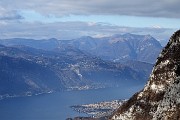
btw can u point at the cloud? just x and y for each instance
(71, 30)
(6, 14)
(148, 8)
(13, 25)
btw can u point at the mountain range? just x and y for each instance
(115, 48)
(31, 67)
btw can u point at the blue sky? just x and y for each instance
(119, 20)
(67, 19)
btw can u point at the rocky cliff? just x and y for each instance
(160, 98)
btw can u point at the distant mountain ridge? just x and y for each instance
(116, 48)
(48, 44)
(121, 47)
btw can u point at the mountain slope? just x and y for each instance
(120, 47)
(21, 77)
(159, 100)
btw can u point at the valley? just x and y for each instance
(51, 67)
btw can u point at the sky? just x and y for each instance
(68, 19)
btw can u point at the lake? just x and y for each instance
(55, 106)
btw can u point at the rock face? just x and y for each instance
(160, 98)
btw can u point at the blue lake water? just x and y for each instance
(55, 106)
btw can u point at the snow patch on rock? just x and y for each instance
(157, 88)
